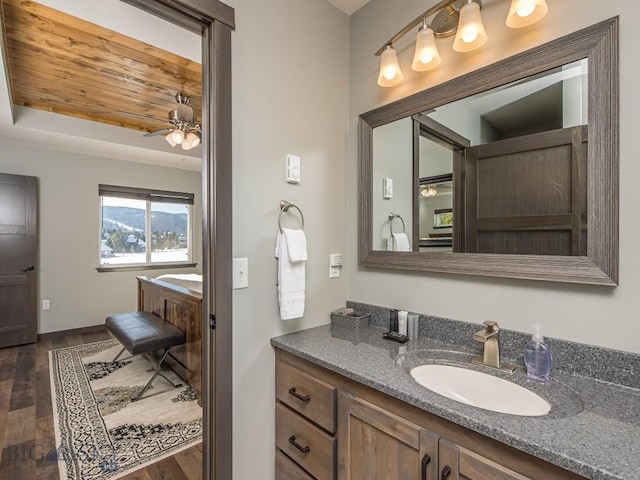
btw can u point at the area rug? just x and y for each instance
(100, 433)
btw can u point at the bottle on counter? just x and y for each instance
(537, 357)
(402, 322)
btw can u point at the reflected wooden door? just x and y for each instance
(18, 253)
(527, 195)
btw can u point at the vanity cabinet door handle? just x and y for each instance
(446, 471)
(425, 461)
(302, 398)
(292, 441)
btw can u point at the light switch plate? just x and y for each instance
(240, 273)
(335, 262)
(387, 188)
(293, 169)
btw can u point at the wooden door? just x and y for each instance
(375, 444)
(527, 195)
(456, 463)
(18, 252)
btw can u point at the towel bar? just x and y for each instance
(392, 217)
(284, 207)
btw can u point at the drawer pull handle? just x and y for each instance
(302, 398)
(446, 471)
(426, 460)
(292, 441)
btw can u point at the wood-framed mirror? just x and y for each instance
(597, 221)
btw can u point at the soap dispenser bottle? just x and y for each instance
(537, 357)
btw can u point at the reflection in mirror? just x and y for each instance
(519, 185)
(524, 196)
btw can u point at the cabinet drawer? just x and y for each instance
(315, 450)
(287, 469)
(313, 398)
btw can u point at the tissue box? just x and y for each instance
(353, 320)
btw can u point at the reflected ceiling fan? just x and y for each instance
(185, 129)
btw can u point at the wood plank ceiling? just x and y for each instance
(68, 66)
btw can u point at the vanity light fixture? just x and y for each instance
(459, 17)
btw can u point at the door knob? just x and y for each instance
(28, 267)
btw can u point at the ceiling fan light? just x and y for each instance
(526, 12)
(169, 139)
(177, 136)
(192, 139)
(471, 33)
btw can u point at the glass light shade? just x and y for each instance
(390, 73)
(169, 139)
(471, 33)
(426, 56)
(193, 139)
(177, 136)
(525, 12)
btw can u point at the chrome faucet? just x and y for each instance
(490, 337)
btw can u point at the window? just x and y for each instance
(142, 227)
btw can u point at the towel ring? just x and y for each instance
(392, 217)
(284, 207)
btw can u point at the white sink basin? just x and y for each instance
(480, 390)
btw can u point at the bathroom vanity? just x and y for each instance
(347, 408)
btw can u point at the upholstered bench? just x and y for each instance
(142, 333)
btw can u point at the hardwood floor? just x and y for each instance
(26, 418)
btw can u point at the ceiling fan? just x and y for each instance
(185, 129)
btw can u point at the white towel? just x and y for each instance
(296, 244)
(399, 242)
(291, 281)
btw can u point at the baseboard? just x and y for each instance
(73, 331)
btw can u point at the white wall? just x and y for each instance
(393, 158)
(69, 229)
(595, 315)
(290, 95)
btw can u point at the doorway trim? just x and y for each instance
(214, 21)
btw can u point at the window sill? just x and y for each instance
(137, 268)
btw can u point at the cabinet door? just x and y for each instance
(375, 444)
(457, 463)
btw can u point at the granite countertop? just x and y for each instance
(593, 428)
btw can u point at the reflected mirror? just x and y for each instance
(524, 196)
(510, 171)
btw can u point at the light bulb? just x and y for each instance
(471, 33)
(469, 37)
(526, 11)
(390, 73)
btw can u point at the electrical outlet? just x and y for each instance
(45, 304)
